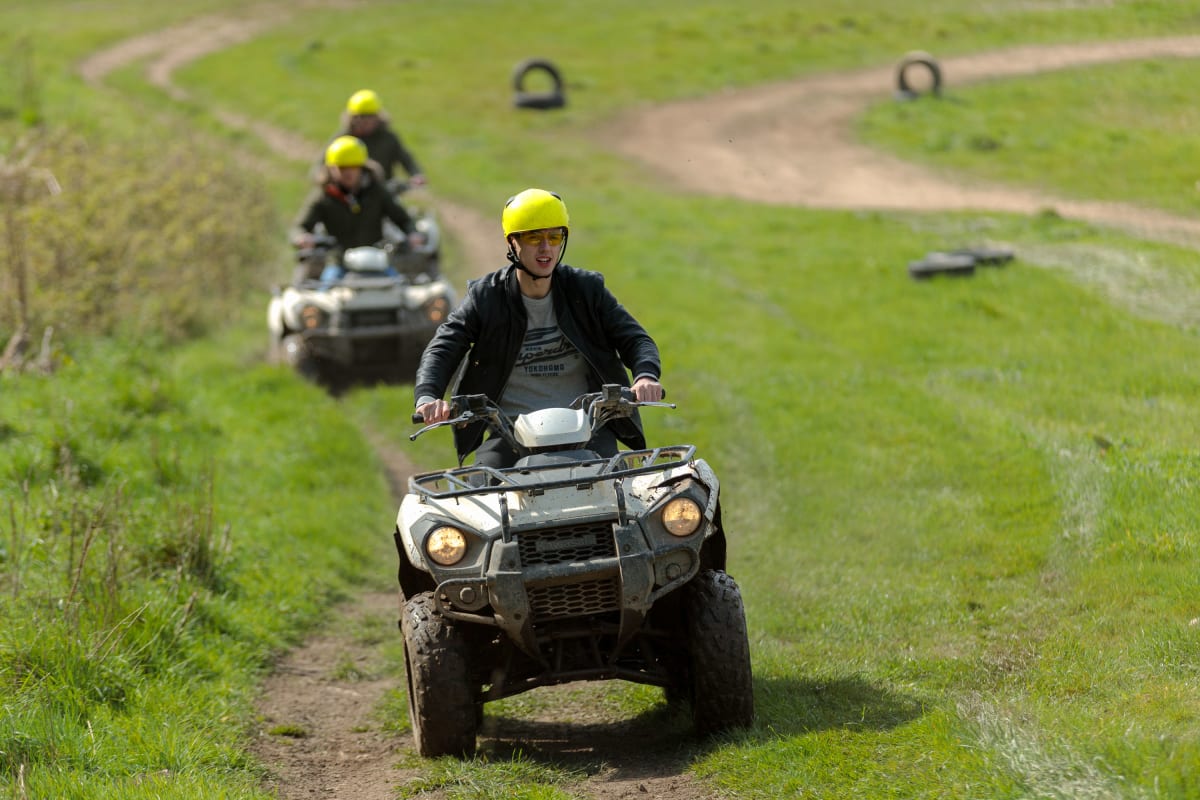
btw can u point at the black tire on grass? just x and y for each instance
(986, 256)
(555, 98)
(918, 60)
(955, 265)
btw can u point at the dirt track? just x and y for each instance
(789, 142)
(793, 143)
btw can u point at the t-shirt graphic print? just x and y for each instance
(549, 371)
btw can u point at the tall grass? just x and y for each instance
(158, 514)
(142, 237)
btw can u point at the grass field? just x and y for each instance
(962, 511)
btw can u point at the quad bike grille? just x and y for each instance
(379, 351)
(372, 318)
(574, 599)
(568, 544)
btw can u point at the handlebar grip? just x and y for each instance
(418, 419)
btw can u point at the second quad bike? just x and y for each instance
(372, 324)
(569, 566)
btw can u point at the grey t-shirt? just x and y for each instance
(549, 372)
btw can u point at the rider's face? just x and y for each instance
(347, 177)
(539, 251)
(364, 124)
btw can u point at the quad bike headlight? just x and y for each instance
(437, 309)
(312, 317)
(446, 545)
(681, 516)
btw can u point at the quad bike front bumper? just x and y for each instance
(544, 570)
(367, 346)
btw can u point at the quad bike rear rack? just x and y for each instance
(476, 480)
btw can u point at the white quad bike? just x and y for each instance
(370, 325)
(569, 566)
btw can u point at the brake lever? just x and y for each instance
(466, 416)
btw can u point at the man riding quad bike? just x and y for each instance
(567, 566)
(353, 204)
(367, 295)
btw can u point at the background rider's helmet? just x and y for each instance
(534, 209)
(363, 102)
(346, 151)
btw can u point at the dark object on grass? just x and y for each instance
(539, 100)
(959, 262)
(986, 256)
(919, 60)
(955, 264)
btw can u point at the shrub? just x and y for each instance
(150, 237)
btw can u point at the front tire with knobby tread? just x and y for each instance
(719, 654)
(441, 699)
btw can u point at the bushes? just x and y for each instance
(157, 236)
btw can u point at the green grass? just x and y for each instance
(160, 507)
(1121, 132)
(452, 99)
(960, 511)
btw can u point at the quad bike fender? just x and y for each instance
(712, 552)
(413, 581)
(417, 295)
(713, 549)
(275, 317)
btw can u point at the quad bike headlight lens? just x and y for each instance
(437, 309)
(681, 516)
(446, 545)
(312, 317)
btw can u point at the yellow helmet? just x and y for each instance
(346, 151)
(534, 209)
(363, 102)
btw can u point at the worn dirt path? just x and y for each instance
(788, 143)
(793, 144)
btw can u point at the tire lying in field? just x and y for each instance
(986, 256)
(555, 98)
(942, 264)
(441, 700)
(921, 61)
(722, 685)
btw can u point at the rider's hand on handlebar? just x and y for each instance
(647, 390)
(304, 241)
(417, 239)
(417, 180)
(435, 411)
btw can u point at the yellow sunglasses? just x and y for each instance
(534, 238)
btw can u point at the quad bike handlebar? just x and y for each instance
(613, 401)
(321, 244)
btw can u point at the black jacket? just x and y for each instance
(488, 329)
(384, 147)
(354, 220)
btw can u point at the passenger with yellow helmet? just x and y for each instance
(351, 202)
(365, 119)
(537, 334)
